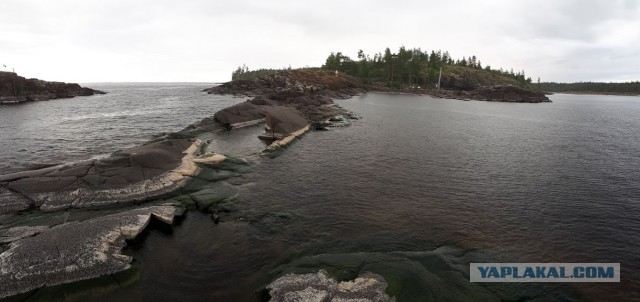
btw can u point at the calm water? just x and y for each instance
(415, 191)
(63, 130)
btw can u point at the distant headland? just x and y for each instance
(17, 89)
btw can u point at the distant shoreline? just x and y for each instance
(594, 93)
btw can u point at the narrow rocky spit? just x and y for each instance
(69, 223)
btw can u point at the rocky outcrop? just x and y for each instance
(496, 93)
(74, 251)
(320, 287)
(507, 93)
(81, 213)
(281, 120)
(128, 176)
(17, 89)
(289, 102)
(308, 91)
(69, 223)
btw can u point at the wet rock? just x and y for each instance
(321, 287)
(128, 176)
(284, 120)
(75, 251)
(19, 232)
(308, 91)
(218, 192)
(240, 113)
(12, 201)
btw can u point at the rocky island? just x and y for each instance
(17, 89)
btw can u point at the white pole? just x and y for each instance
(439, 77)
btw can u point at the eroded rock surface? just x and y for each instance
(128, 176)
(19, 232)
(76, 250)
(320, 287)
(308, 91)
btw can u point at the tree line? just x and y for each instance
(407, 67)
(598, 87)
(243, 73)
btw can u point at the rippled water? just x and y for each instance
(62, 130)
(415, 191)
(469, 181)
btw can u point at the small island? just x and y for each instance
(17, 89)
(416, 71)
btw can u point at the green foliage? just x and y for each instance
(481, 76)
(408, 67)
(243, 73)
(596, 87)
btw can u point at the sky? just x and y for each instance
(205, 40)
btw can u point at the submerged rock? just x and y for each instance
(321, 287)
(76, 250)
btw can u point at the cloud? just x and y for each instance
(198, 40)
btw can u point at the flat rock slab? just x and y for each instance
(17, 233)
(74, 251)
(321, 287)
(131, 175)
(12, 201)
(284, 120)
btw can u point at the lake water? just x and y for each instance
(57, 131)
(414, 191)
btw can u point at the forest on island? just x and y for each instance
(404, 68)
(415, 67)
(408, 67)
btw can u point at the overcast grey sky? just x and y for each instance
(204, 40)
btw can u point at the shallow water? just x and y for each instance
(415, 191)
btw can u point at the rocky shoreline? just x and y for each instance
(496, 93)
(490, 93)
(17, 89)
(70, 222)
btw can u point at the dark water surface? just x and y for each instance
(415, 191)
(58, 131)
